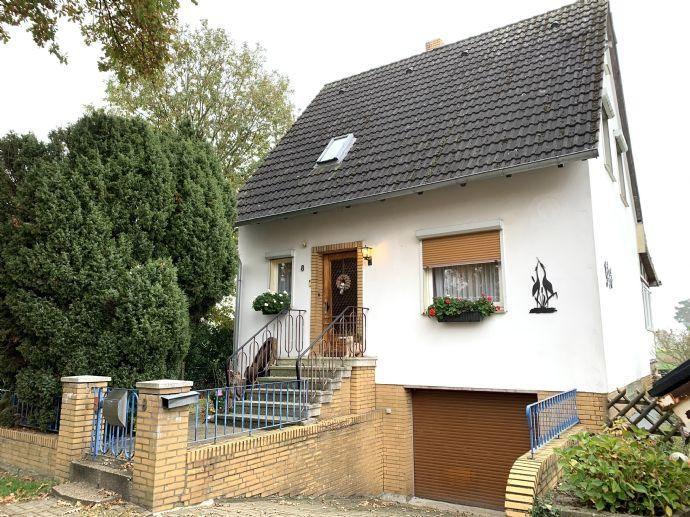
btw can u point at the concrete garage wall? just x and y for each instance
(545, 213)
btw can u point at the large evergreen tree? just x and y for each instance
(115, 236)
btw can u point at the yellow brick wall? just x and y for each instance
(28, 450)
(76, 422)
(158, 470)
(397, 438)
(591, 408)
(339, 404)
(363, 390)
(339, 457)
(532, 476)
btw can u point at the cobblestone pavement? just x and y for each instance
(271, 507)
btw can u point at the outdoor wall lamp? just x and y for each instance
(366, 254)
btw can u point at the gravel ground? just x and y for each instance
(270, 507)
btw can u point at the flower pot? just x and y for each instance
(269, 312)
(470, 316)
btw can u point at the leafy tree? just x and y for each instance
(134, 34)
(683, 313)
(222, 89)
(114, 236)
(672, 348)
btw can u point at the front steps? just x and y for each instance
(324, 391)
(94, 482)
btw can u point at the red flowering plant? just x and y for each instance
(446, 306)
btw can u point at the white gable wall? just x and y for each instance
(545, 214)
(628, 345)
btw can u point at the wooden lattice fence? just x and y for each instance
(642, 410)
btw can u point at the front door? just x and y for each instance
(340, 284)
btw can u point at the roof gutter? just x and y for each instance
(484, 175)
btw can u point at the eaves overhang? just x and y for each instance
(483, 175)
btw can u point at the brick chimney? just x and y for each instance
(434, 43)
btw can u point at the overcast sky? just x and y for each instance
(315, 42)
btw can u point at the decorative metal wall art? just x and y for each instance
(608, 274)
(542, 290)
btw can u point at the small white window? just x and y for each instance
(466, 265)
(337, 149)
(281, 276)
(647, 304)
(606, 143)
(621, 150)
(468, 281)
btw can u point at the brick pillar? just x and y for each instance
(160, 449)
(363, 386)
(76, 420)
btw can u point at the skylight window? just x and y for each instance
(337, 149)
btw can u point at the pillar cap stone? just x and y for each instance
(164, 384)
(85, 379)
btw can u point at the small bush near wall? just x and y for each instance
(625, 472)
(210, 347)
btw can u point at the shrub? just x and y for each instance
(115, 237)
(628, 473)
(271, 303)
(446, 306)
(208, 351)
(544, 508)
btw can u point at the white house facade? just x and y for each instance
(499, 166)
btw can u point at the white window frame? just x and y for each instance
(621, 152)
(647, 305)
(426, 275)
(606, 142)
(337, 157)
(274, 259)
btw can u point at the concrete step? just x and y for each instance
(285, 395)
(348, 362)
(84, 493)
(270, 409)
(248, 422)
(112, 476)
(320, 385)
(279, 370)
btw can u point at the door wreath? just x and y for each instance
(343, 282)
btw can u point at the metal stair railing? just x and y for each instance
(345, 336)
(282, 336)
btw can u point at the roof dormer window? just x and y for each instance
(337, 149)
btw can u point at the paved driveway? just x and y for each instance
(272, 507)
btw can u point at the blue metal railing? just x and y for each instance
(233, 410)
(27, 416)
(548, 418)
(113, 440)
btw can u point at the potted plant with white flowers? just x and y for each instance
(272, 303)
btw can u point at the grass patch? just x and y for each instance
(21, 488)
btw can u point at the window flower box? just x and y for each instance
(469, 316)
(447, 309)
(271, 303)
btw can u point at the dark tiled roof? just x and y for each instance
(525, 93)
(673, 380)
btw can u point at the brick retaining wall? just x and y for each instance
(342, 457)
(28, 450)
(531, 477)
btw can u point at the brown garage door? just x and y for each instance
(465, 443)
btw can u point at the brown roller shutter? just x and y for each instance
(466, 248)
(465, 443)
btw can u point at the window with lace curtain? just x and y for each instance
(464, 266)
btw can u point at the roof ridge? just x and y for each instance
(455, 44)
